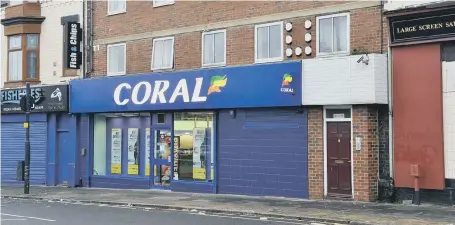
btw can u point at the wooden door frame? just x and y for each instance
(326, 120)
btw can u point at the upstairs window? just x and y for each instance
(116, 6)
(116, 59)
(158, 3)
(333, 34)
(268, 42)
(163, 53)
(214, 48)
(23, 57)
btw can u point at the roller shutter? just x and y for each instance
(13, 150)
(263, 152)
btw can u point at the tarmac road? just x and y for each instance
(32, 212)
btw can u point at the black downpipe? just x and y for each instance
(84, 33)
(382, 26)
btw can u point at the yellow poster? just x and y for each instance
(116, 169)
(199, 173)
(147, 170)
(212, 174)
(133, 169)
(154, 171)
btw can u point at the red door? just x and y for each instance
(339, 159)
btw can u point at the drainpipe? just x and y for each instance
(84, 34)
(390, 101)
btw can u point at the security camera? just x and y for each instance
(364, 59)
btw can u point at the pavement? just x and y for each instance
(342, 212)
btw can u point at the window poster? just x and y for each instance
(176, 157)
(133, 151)
(116, 151)
(198, 153)
(147, 151)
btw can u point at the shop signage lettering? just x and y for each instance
(426, 26)
(156, 92)
(74, 38)
(45, 99)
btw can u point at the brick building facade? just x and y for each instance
(132, 30)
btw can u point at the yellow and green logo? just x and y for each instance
(217, 82)
(287, 79)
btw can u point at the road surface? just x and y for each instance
(32, 212)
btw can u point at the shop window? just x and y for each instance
(116, 6)
(268, 42)
(333, 34)
(193, 142)
(23, 52)
(121, 144)
(163, 53)
(214, 48)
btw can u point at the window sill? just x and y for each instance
(204, 66)
(270, 60)
(161, 5)
(162, 69)
(115, 74)
(20, 83)
(116, 13)
(328, 55)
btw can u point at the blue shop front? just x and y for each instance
(233, 130)
(52, 136)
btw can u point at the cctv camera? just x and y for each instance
(360, 60)
(363, 59)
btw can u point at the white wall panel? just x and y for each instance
(448, 89)
(341, 80)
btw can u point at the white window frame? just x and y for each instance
(124, 64)
(109, 13)
(275, 59)
(171, 55)
(158, 4)
(348, 21)
(202, 55)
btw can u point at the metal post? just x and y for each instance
(27, 140)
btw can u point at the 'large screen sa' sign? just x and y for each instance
(73, 41)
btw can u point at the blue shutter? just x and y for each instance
(13, 150)
(263, 152)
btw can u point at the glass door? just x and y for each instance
(161, 160)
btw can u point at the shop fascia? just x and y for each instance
(157, 92)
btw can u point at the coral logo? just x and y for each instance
(287, 80)
(217, 82)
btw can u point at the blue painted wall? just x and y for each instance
(263, 152)
(83, 141)
(61, 157)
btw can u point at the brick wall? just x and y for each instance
(316, 153)
(366, 166)
(142, 19)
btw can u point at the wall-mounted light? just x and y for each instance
(288, 26)
(308, 50)
(308, 24)
(289, 52)
(307, 37)
(288, 39)
(298, 51)
(232, 113)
